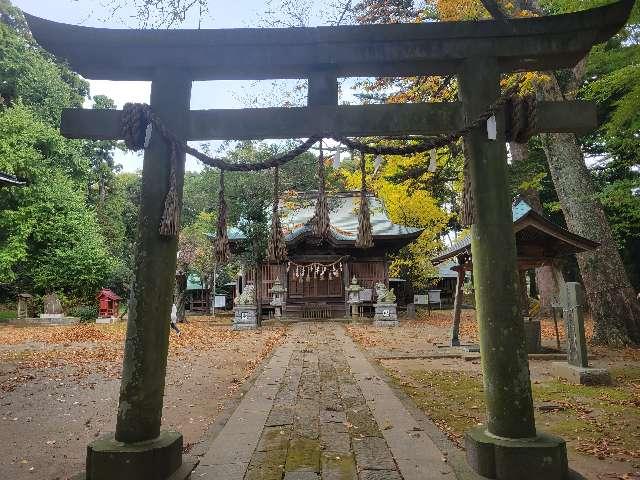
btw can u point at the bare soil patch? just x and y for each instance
(59, 388)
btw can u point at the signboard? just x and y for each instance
(220, 301)
(420, 299)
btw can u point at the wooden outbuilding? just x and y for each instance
(108, 303)
(539, 242)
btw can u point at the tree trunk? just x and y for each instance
(180, 296)
(615, 310)
(544, 275)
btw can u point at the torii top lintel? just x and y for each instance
(367, 50)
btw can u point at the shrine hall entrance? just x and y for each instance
(315, 296)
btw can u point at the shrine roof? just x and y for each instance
(105, 292)
(194, 282)
(297, 212)
(9, 180)
(532, 227)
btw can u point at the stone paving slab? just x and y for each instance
(231, 451)
(416, 455)
(318, 411)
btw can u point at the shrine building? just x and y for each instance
(318, 270)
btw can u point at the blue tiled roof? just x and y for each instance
(518, 210)
(343, 216)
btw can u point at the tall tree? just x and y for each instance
(49, 236)
(615, 308)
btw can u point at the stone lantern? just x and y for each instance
(278, 292)
(353, 290)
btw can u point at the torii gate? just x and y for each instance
(508, 446)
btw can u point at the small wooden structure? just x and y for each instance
(198, 295)
(108, 303)
(24, 303)
(539, 242)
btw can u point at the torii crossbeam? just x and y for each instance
(508, 446)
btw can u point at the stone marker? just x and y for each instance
(576, 369)
(52, 307)
(411, 311)
(533, 335)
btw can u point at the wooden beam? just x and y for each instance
(303, 122)
(364, 50)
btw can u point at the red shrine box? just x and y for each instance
(108, 303)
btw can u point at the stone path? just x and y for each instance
(318, 411)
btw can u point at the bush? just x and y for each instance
(84, 313)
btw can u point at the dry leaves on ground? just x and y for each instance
(365, 336)
(99, 348)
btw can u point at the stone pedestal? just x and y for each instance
(533, 336)
(542, 457)
(354, 309)
(245, 317)
(581, 375)
(106, 320)
(156, 459)
(386, 315)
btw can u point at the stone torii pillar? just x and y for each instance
(508, 446)
(139, 449)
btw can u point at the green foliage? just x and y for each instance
(63, 247)
(29, 74)
(86, 313)
(50, 239)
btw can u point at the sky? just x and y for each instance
(218, 94)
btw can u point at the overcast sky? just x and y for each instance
(218, 94)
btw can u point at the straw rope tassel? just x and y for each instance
(221, 245)
(365, 236)
(466, 213)
(277, 248)
(321, 223)
(170, 223)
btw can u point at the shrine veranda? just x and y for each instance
(478, 53)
